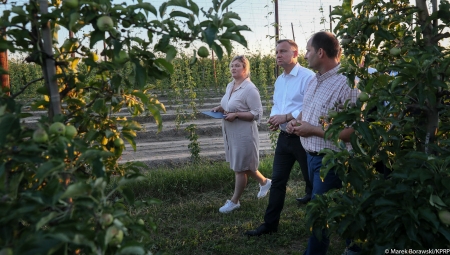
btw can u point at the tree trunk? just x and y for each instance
(5, 77)
(432, 112)
(48, 65)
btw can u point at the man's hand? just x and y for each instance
(291, 125)
(304, 129)
(276, 120)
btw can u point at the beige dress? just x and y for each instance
(241, 137)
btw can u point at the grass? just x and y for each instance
(188, 221)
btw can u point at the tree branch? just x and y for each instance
(439, 37)
(26, 86)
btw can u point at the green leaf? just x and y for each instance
(347, 5)
(148, 7)
(171, 53)
(135, 250)
(210, 34)
(99, 105)
(48, 168)
(94, 154)
(75, 190)
(218, 50)
(163, 65)
(162, 9)
(179, 14)
(445, 232)
(428, 215)
(227, 45)
(45, 220)
(96, 36)
(364, 130)
(226, 4)
(128, 193)
(141, 75)
(8, 124)
(436, 200)
(74, 17)
(194, 7)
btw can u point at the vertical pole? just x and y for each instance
(71, 36)
(277, 32)
(48, 63)
(331, 26)
(214, 67)
(293, 36)
(4, 64)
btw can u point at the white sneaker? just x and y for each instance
(229, 207)
(263, 190)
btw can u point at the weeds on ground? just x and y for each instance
(186, 219)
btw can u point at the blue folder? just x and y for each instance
(215, 115)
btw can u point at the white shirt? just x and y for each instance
(289, 92)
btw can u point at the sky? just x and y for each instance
(298, 20)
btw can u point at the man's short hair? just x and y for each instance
(328, 42)
(291, 42)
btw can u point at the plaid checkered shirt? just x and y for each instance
(321, 95)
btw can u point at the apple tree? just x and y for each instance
(396, 178)
(62, 190)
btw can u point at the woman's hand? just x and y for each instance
(217, 109)
(231, 116)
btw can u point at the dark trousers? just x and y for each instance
(289, 149)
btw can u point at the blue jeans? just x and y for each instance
(289, 149)
(331, 181)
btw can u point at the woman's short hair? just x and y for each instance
(245, 64)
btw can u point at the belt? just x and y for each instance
(287, 134)
(314, 153)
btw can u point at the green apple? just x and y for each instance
(57, 128)
(122, 58)
(40, 136)
(363, 97)
(203, 52)
(71, 132)
(332, 113)
(444, 216)
(141, 222)
(70, 4)
(395, 51)
(118, 142)
(105, 23)
(116, 234)
(106, 219)
(126, 23)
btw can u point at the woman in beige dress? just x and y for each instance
(243, 109)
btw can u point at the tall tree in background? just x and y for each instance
(401, 124)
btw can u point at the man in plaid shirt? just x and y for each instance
(325, 90)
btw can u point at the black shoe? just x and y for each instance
(304, 200)
(261, 230)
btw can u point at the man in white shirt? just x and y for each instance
(290, 88)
